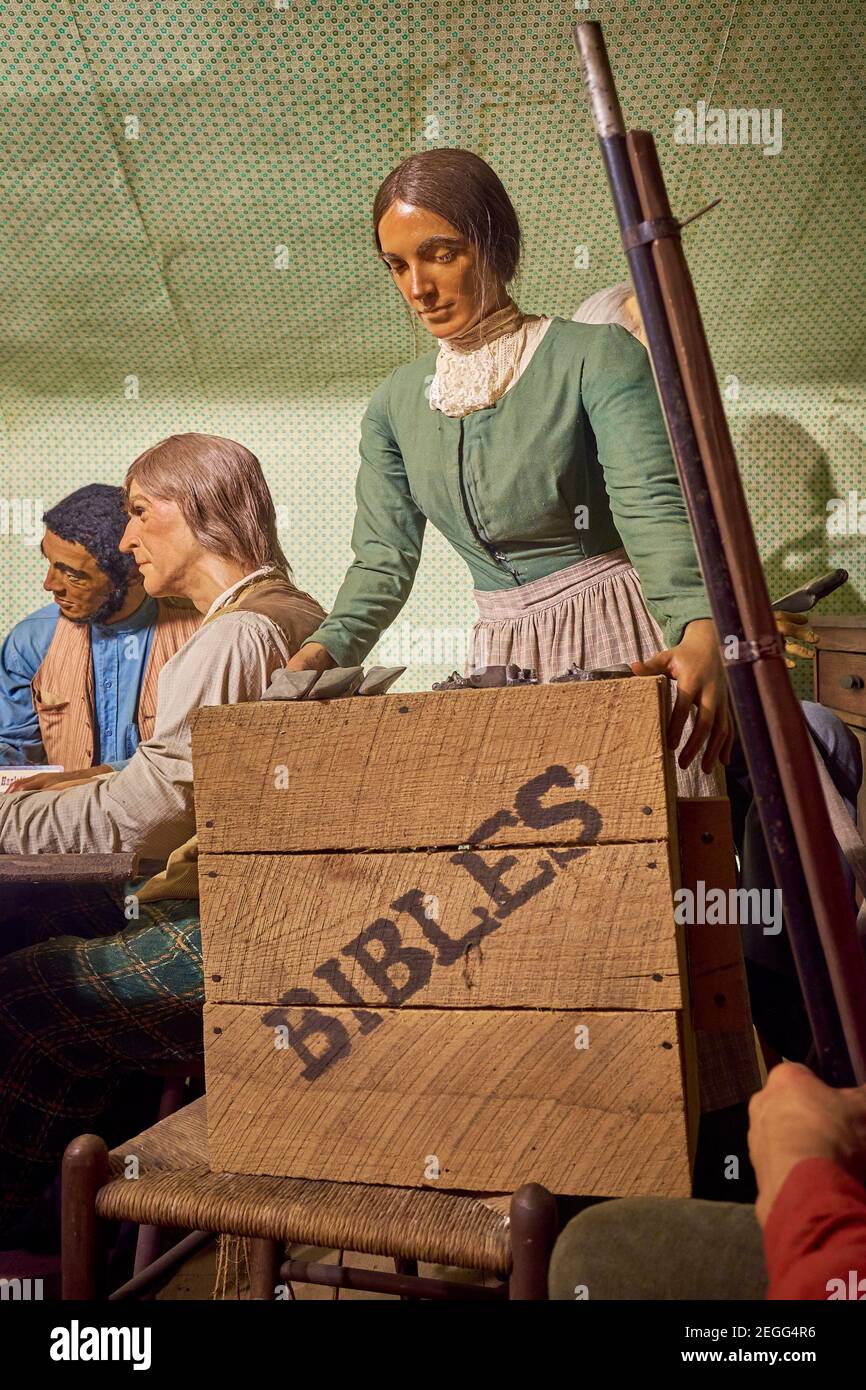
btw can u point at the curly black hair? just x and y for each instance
(95, 516)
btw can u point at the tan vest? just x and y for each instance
(296, 614)
(63, 695)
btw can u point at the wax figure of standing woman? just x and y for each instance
(102, 993)
(537, 447)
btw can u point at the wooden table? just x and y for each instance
(67, 868)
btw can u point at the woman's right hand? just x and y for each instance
(311, 657)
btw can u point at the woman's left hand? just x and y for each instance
(695, 664)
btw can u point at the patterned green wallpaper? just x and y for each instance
(185, 242)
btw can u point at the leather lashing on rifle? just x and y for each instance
(753, 649)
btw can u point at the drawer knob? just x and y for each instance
(851, 682)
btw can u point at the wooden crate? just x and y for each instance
(439, 940)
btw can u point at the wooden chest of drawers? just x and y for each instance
(839, 680)
(840, 666)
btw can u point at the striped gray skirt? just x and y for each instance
(592, 613)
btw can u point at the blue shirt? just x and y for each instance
(119, 652)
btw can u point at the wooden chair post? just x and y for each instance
(85, 1170)
(265, 1259)
(533, 1233)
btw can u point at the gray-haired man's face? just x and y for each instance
(161, 543)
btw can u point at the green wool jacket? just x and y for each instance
(507, 486)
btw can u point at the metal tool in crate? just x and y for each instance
(342, 681)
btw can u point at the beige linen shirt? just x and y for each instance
(147, 807)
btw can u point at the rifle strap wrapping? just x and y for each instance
(753, 649)
(652, 230)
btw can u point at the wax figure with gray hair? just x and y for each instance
(777, 998)
(104, 992)
(78, 678)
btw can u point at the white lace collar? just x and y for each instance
(468, 381)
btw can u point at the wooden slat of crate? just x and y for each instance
(581, 928)
(497, 1097)
(431, 768)
(719, 992)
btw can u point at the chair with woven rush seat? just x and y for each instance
(444, 984)
(175, 1188)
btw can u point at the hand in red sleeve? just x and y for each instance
(796, 1116)
(808, 1147)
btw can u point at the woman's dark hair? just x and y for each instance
(464, 190)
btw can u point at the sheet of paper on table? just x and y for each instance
(8, 775)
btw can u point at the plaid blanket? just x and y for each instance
(93, 998)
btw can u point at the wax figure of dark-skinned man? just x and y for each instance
(77, 584)
(438, 273)
(170, 561)
(80, 589)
